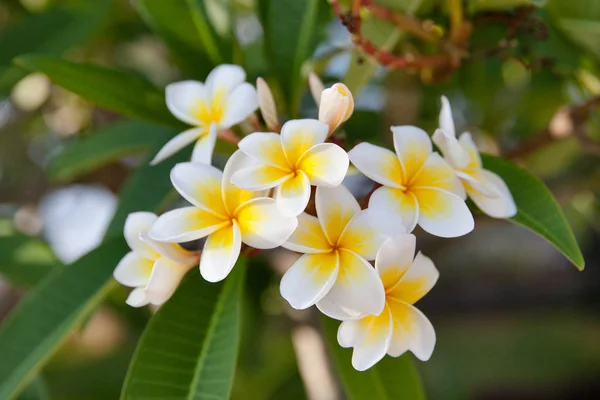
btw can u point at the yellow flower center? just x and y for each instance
(210, 111)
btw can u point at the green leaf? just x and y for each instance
(190, 346)
(580, 22)
(181, 37)
(218, 47)
(537, 208)
(25, 261)
(123, 92)
(104, 146)
(390, 379)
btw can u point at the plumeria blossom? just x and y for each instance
(219, 103)
(487, 190)
(419, 187)
(153, 268)
(226, 214)
(336, 105)
(400, 327)
(292, 162)
(334, 272)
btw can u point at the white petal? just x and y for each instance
(220, 253)
(502, 206)
(183, 98)
(325, 164)
(185, 224)
(332, 310)
(475, 180)
(133, 270)
(166, 276)
(137, 298)
(293, 194)
(177, 143)
(469, 145)
(393, 211)
(266, 103)
(394, 258)
(413, 147)
(224, 78)
(412, 330)
(171, 251)
(308, 236)
(240, 103)
(335, 208)
(260, 177)
(200, 184)
(234, 196)
(136, 224)
(372, 338)
(266, 148)
(446, 120)
(205, 146)
(262, 224)
(453, 151)
(299, 135)
(416, 282)
(435, 172)
(358, 287)
(361, 237)
(377, 163)
(442, 213)
(309, 279)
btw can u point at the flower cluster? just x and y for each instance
(356, 265)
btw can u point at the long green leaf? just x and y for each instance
(105, 145)
(189, 348)
(123, 92)
(580, 22)
(219, 49)
(25, 261)
(390, 379)
(537, 209)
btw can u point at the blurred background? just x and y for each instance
(514, 319)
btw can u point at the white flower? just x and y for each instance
(229, 216)
(487, 189)
(335, 269)
(401, 326)
(266, 103)
(419, 187)
(153, 268)
(222, 101)
(292, 162)
(336, 106)
(316, 87)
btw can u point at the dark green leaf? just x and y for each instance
(390, 379)
(126, 93)
(25, 261)
(217, 46)
(537, 209)
(580, 21)
(189, 348)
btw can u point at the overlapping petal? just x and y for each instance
(225, 78)
(324, 164)
(435, 172)
(239, 104)
(413, 147)
(200, 184)
(205, 145)
(442, 213)
(184, 97)
(260, 177)
(453, 151)
(446, 120)
(411, 330)
(393, 211)
(361, 237)
(220, 253)
(378, 164)
(136, 224)
(394, 259)
(416, 282)
(335, 208)
(299, 135)
(133, 270)
(166, 276)
(262, 225)
(308, 237)
(233, 196)
(501, 206)
(266, 148)
(293, 194)
(171, 251)
(178, 142)
(137, 298)
(185, 224)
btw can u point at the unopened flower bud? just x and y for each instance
(316, 87)
(266, 104)
(336, 106)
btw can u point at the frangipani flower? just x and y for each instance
(292, 162)
(229, 216)
(419, 187)
(401, 326)
(222, 101)
(487, 190)
(153, 268)
(335, 106)
(334, 272)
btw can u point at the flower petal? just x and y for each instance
(502, 206)
(474, 180)
(309, 279)
(205, 146)
(220, 253)
(469, 145)
(136, 224)
(177, 143)
(266, 148)
(200, 184)
(308, 237)
(260, 177)
(442, 213)
(292, 195)
(451, 148)
(224, 78)
(185, 224)
(438, 174)
(234, 196)
(413, 146)
(378, 164)
(411, 330)
(240, 103)
(299, 135)
(171, 251)
(332, 310)
(416, 282)
(166, 276)
(393, 211)
(183, 99)
(446, 120)
(325, 164)
(133, 270)
(262, 224)
(394, 258)
(361, 236)
(137, 298)
(335, 208)
(358, 287)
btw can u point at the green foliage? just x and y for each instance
(537, 209)
(580, 21)
(389, 379)
(25, 261)
(189, 348)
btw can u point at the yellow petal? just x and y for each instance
(413, 146)
(416, 282)
(411, 331)
(324, 164)
(361, 236)
(220, 253)
(265, 147)
(233, 196)
(200, 184)
(436, 173)
(308, 237)
(442, 213)
(299, 135)
(335, 208)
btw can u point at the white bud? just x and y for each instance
(267, 104)
(316, 87)
(337, 105)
